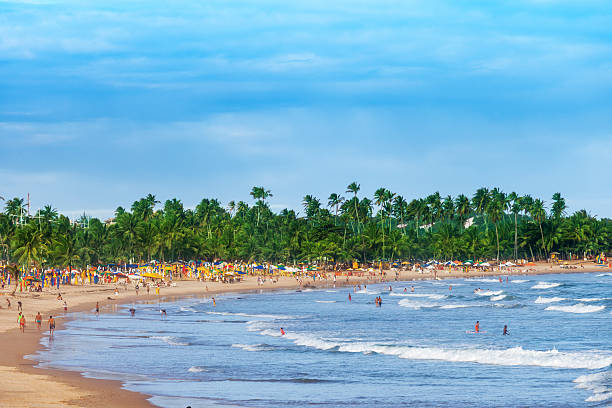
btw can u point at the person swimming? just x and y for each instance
(506, 330)
(282, 331)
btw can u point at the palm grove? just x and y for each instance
(490, 224)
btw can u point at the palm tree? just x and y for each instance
(260, 195)
(515, 208)
(335, 201)
(558, 207)
(495, 211)
(15, 273)
(480, 201)
(462, 208)
(354, 188)
(28, 246)
(65, 251)
(538, 213)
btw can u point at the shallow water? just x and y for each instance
(412, 351)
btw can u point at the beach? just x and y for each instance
(26, 385)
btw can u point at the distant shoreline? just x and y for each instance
(27, 385)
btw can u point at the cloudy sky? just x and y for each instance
(103, 103)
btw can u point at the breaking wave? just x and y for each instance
(577, 308)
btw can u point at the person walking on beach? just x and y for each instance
(51, 325)
(38, 320)
(8, 303)
(22, 323)
(97, 309)
(19, 306)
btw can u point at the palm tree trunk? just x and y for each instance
(515, 238)
(497, 236)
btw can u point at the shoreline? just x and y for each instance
(24, 384)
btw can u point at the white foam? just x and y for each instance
(485, 280)
(489, 292)
(367, 292)
(500, 297)
(519, 280)
(325, 301)
(170, 340)
(260, 316)
(331, 291)
(188, 309)
(456, 306)
(420, 295)
(541, 299)
(252, 347)
(600, 384)
(577, 308)
(604, 274)
(546, 285)
(516, 356)
(591, 299)
(196, 369)
(416, 304)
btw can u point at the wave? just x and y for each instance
(484, 280)
(499, 297)
(577, 308)
(489, 292)
(368, 292)
(541, 299)
(326, 301)
(196, 369)
(456, 306)
(187, 309)
(261, 316)
(416, 304)
(519, 280)
(253, 347)
(591, 299)
(173, 341)
(516, 356)
(331, 291)
(546, 285)
(600, 384)
(420, 295)
(604, 274)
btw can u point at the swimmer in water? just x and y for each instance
(506, 330)
(350, 297)
(132, 311)
(214, 302)
(477, 327)
(282, 331)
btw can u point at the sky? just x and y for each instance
(103, 102)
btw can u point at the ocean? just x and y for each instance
(415, 350)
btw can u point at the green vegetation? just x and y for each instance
(491, 224)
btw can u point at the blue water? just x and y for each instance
(412, 351)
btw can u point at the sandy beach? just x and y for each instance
(24, 385)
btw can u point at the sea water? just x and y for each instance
(415, 350)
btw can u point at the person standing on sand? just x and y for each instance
(8, 303)
(19, 306)
(38, 319)
(22, 323)
(51, 325)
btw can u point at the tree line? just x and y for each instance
(490, 224)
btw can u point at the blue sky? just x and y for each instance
(103, 103)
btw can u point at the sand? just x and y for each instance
(25, 385)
